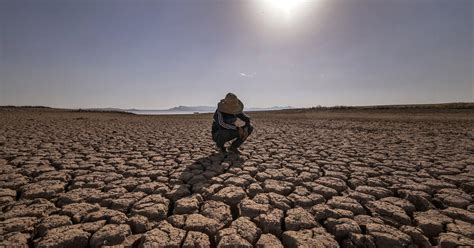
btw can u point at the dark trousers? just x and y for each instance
(221, 136)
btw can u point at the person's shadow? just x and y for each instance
(205, 171)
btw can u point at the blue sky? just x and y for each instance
(160, 54)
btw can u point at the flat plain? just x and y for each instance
(306, 178)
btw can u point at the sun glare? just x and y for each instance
(286, 8)
(285, 12)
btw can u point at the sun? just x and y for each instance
(285, 13)
(285, 7)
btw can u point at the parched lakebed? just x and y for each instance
(305, 179)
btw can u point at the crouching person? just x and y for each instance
(224, 128)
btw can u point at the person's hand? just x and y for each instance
(242, 133)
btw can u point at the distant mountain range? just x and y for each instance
(202, 109)
(207, 109)
(192, 108)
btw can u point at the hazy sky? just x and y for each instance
(159, 54)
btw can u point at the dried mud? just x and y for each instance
(359, 179)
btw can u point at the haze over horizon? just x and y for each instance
(161, 54)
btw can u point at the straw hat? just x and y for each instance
(230, 105)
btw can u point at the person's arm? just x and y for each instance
(220, 120)
(245, 118)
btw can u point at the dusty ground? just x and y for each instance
(323, 179)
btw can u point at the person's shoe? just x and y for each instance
(234, 150)
(222, 150)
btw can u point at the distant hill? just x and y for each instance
(192, 108)
(269, 108)
(25, 107)
(201, 109)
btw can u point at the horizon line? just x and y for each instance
(285, 107)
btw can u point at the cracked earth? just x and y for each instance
(73, 179)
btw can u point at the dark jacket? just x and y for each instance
(226, 121)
